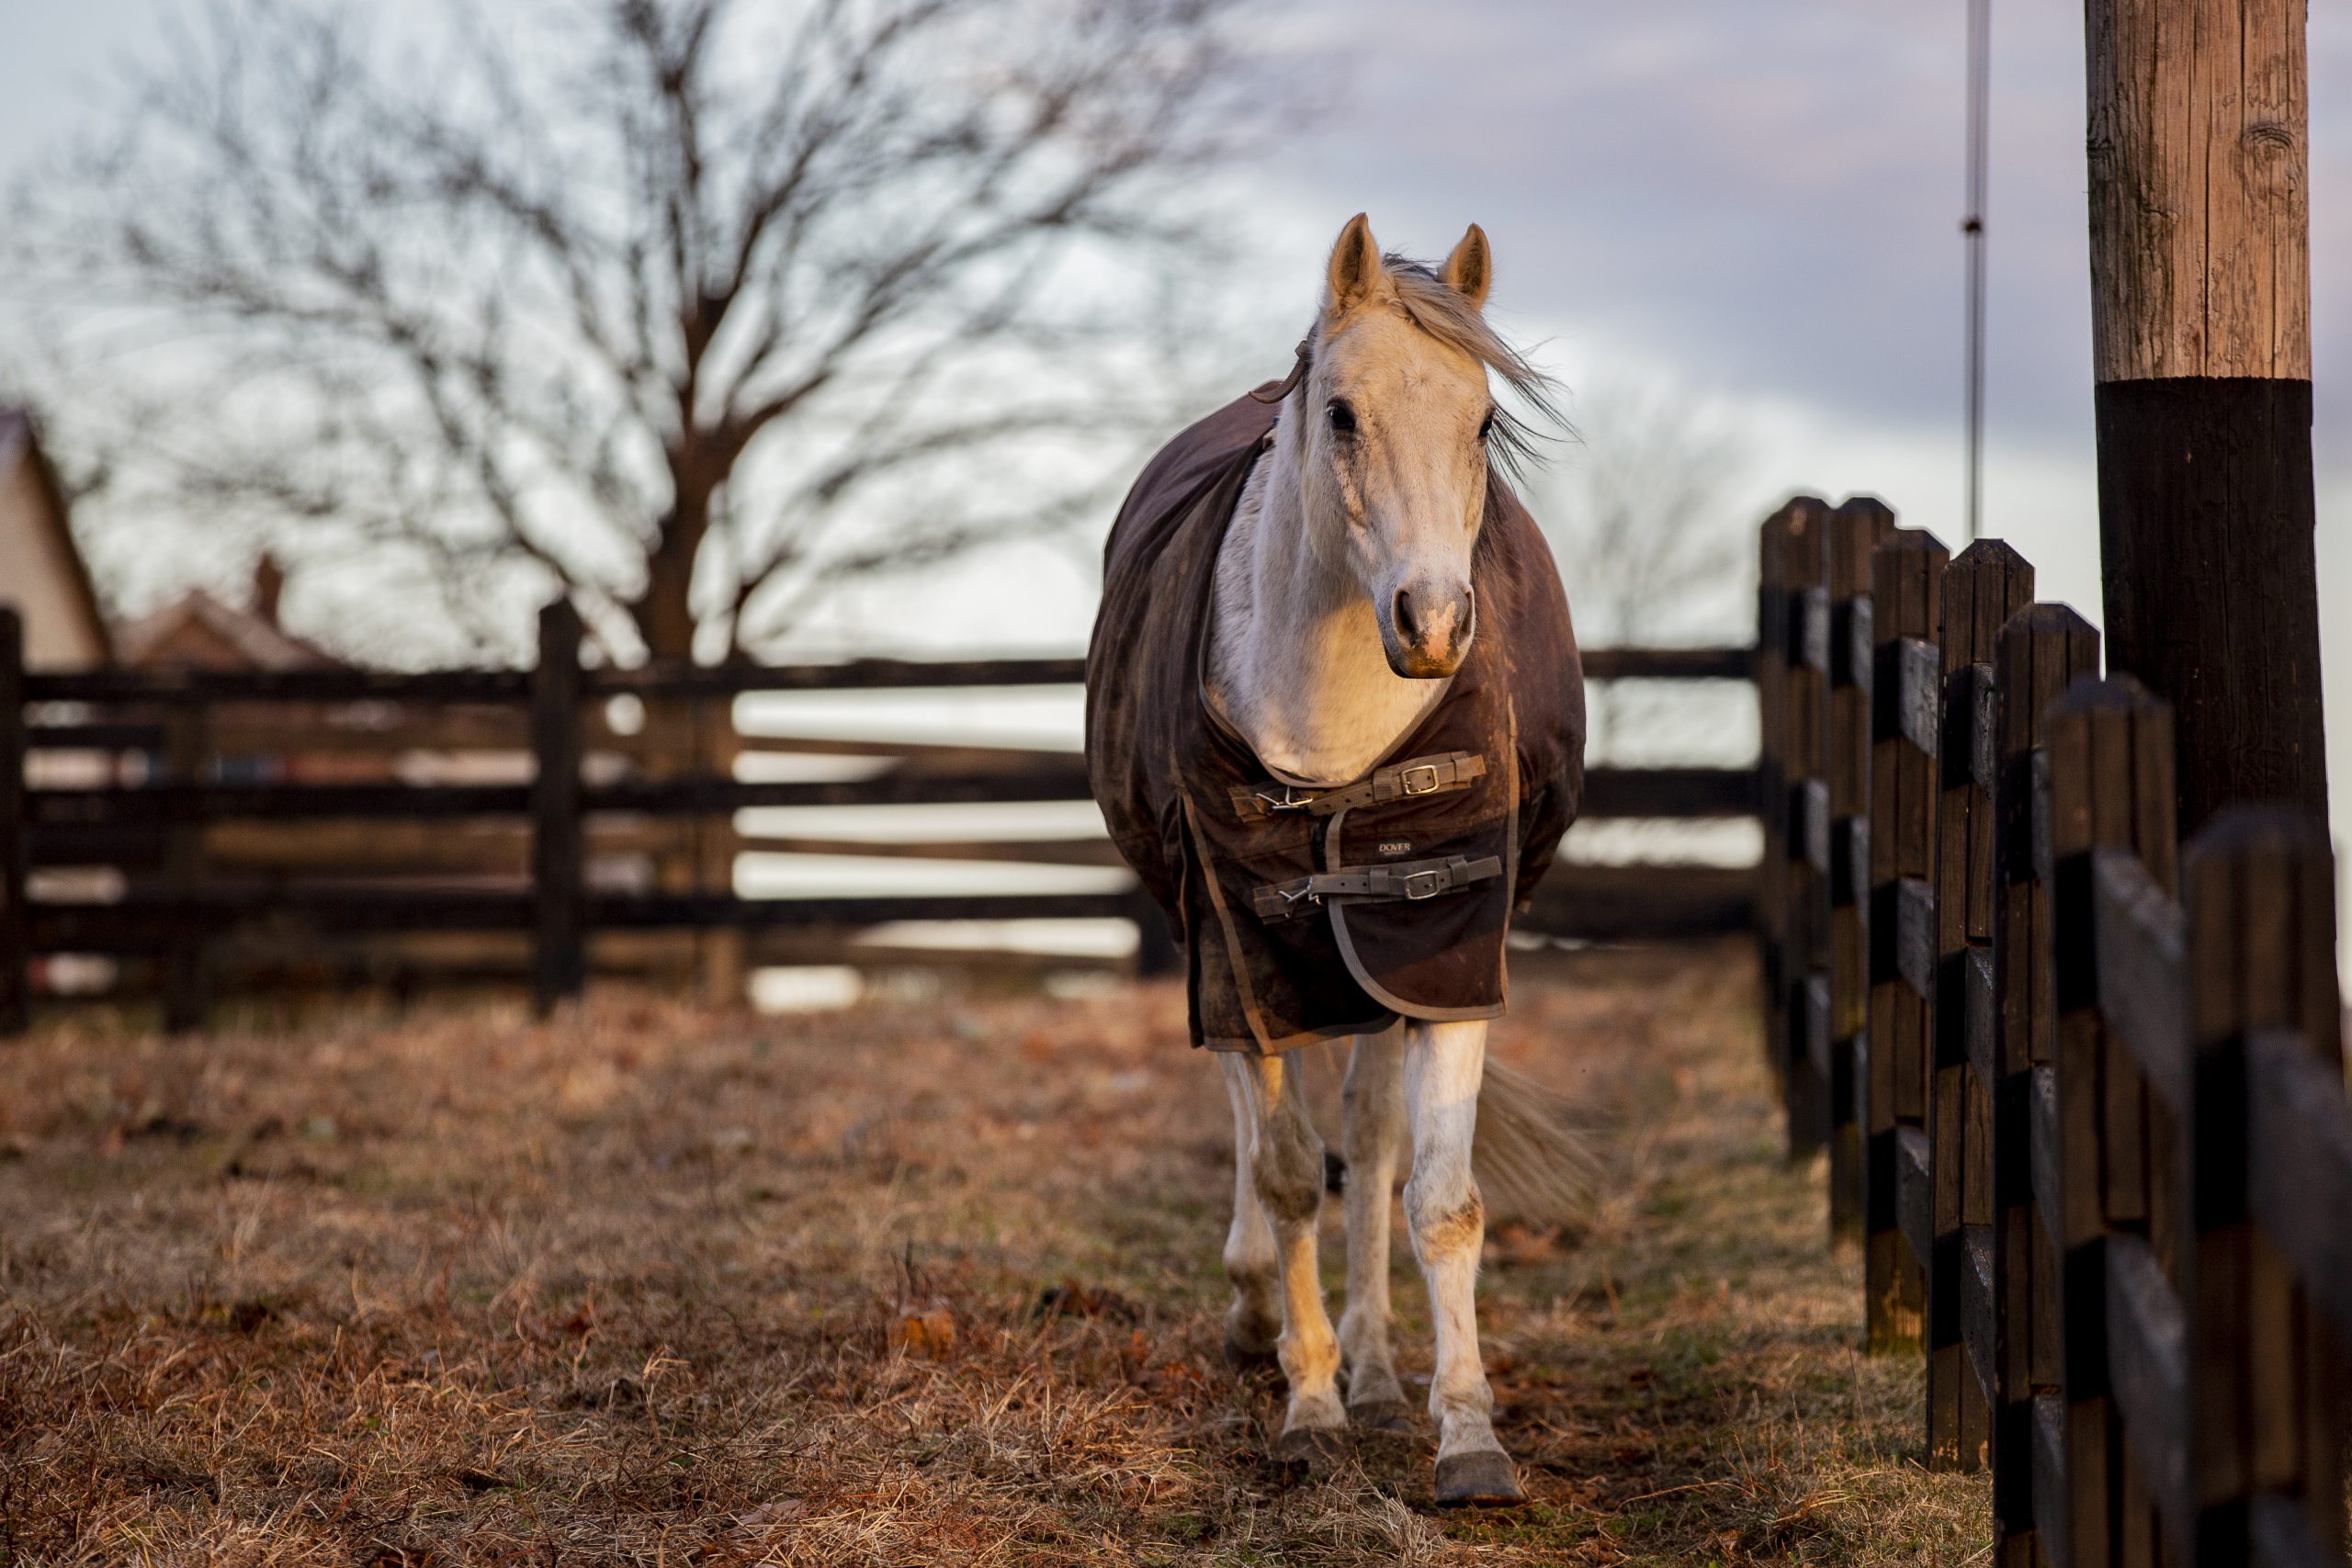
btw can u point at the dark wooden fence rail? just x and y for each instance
(173, 910)
(2105, 1173)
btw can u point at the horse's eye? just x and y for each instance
(1487, 426)
(1342, 418)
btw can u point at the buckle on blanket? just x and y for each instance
(1399, 781)
(1412, 882)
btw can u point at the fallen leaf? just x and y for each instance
(1071, 1299)
(1514, 1244)
(165, 1475)
(776, 1513)
(927, 1332)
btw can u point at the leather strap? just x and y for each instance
(1420, 775)
(1411, 880)
(1288, 384)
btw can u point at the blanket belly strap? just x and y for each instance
(1411, 880)
(1438, 774)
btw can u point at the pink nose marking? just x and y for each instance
(1429, 622)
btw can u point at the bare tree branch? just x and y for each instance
(649, 307)
(1647, 516)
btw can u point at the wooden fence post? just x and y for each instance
(1855, 529)
(187, 979)
(16, 832)
(1980, 591)
(1907, 571)
(721, 971)
(1788, 535)
(2261, 927)
(2105, 784)
(1772, 871)
(558, 903)
(2040, 650)
(1806, 560)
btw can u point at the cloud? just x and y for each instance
(1763, 198)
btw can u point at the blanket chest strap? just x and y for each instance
(1436, 774)
(1411, 880)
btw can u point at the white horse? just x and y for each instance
(1343, 605)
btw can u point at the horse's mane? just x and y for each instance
(1517, 442)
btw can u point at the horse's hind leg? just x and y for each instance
(1443, 1063)
(1254, 1322)
(1285, 1163)
(1375, 1136)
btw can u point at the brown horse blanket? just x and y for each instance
(1308, 913)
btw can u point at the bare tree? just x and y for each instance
(1643, 509)
(1645, 513)
(690, 308)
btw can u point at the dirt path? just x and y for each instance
(920, 1283)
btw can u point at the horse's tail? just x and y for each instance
(1534, 1156)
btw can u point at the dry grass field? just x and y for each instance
(924, 1282)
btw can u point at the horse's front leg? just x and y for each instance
(1254, 1322)
(1443, 1063)
(1285, 1163)
(1374, 1137)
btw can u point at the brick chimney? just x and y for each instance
(270, 582)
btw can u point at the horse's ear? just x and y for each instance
(1355, 264)
(1470, 270)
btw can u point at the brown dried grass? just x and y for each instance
(926, 1282)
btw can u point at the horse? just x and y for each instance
(1334, 720)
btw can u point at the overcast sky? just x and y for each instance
(1759, 202)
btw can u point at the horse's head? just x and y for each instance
(1396, 428)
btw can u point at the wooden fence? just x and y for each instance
(2082, 1086)
(216, 881)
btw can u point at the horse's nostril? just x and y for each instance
(1407, 630)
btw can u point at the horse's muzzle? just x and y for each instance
(1426, 631)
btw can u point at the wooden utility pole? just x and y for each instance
(2201, 286)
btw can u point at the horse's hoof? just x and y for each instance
(1393, 1416)
(1249, 1358)
(1316, 1448)
(1483, 1478)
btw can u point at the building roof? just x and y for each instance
(197, 631)
(20, 451)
